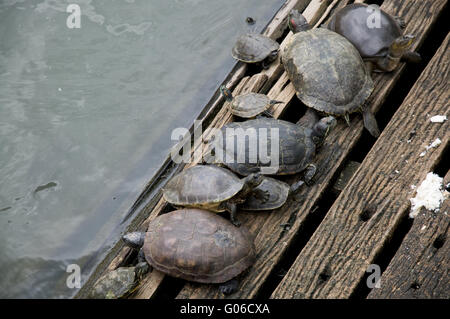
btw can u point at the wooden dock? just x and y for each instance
(322, 244)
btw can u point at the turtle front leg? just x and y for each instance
(411, 57)
(400, 21)
(310, 171)
(262, 195)
(229, 287)
(141, 257)
(232, 209)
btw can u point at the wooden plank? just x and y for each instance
(272, 236)
(420, 268)
(368, 210)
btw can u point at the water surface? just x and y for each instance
(86, 116)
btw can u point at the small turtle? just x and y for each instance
(327, 72)
(384, 46)
(248, 105)
(210, 187)
(278, 193)
(196, 245)
(119, 283)
(278, 147)
(254, 48)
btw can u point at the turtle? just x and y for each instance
(119, 283)
(278, 193)
(254, 48)
(292, 147)
(196, 245)
(212, 188)
(382, 47)
(327, 72)
(248, 105)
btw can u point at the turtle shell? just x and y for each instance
(249, 105)
(115, 284)
(253, 47)
(197, 245)
(202, 186)
(327, 71)
(351, 22)
(278, 193)
(290, 145)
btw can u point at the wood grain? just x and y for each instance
(369, 209)
(420, 268)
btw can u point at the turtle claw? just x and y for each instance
(400, 21)
(347, 119)
(229, 287)
(262, 195)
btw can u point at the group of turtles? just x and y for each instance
(330, 69)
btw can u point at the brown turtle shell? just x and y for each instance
(202, 186)
(197, 245)
(253, 47)
(351, 22)
(249, 105)
(327, 71)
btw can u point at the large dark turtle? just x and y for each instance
(327, 72)
(196, 245)
(210, 187)
(119, 283)
(248, 105)
(382, 45)
(270, 146)
(254, 48)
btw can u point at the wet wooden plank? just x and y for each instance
(365, 215)
(420, 268)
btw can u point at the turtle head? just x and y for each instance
(226, 93)
(134, 240)
(401, 45)
(253, 180)
(297, 22)
(322, 128)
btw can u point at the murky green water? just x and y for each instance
(86, 116)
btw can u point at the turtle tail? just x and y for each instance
(370, 122)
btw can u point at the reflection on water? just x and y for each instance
(86, 116)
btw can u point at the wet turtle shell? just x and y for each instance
(327, 72)
(197, 245)
(202, 186)
(117, 283)
(253, 48)
(295, 146)
(372, 43)
(250, 105)
(278, 193)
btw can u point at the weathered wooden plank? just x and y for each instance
(420, 268)
(368, 210)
